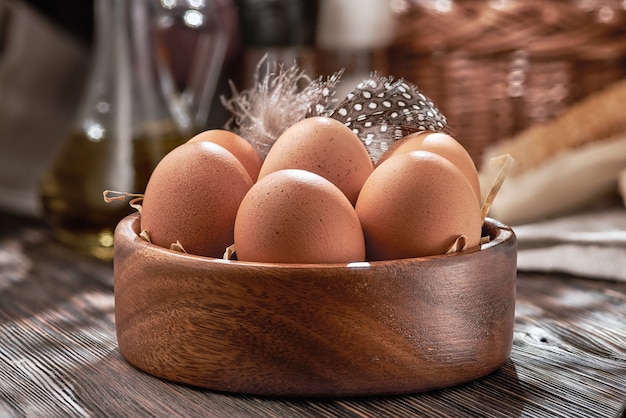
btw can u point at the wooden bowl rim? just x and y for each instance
(128, 229)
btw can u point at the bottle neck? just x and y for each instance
(127, 84)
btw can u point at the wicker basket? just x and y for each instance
(496, 67)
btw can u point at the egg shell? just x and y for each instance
(296, 216)
(325, 147)
(416, 204)
(247, 155)
(192, 197)
(442, 144)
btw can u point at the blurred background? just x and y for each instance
(493, 67)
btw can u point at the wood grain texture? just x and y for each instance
(59, 354)
(314, 330)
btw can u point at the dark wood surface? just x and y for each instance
(59, 354)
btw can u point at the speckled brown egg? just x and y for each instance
(192, 197)
(323, 146)
(296, 216)
(247, 155)
(442, 144)
(417, 204)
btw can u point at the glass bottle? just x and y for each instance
(281, 32)
(353, 39)
(129, 118)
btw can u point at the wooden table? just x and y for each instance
(59, 356)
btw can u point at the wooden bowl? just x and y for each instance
(386, 327)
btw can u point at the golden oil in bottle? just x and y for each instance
(72, 190)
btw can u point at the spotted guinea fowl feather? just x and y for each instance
(380, 111)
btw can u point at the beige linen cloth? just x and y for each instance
(42, 72)
(588, 244)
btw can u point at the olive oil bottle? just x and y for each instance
(128, 119)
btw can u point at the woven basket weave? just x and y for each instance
(496, 67)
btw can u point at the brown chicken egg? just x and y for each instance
(192, 198)
(296, 216)
(325, 147)
(417, 204)
(442, 144)
(239, 147)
